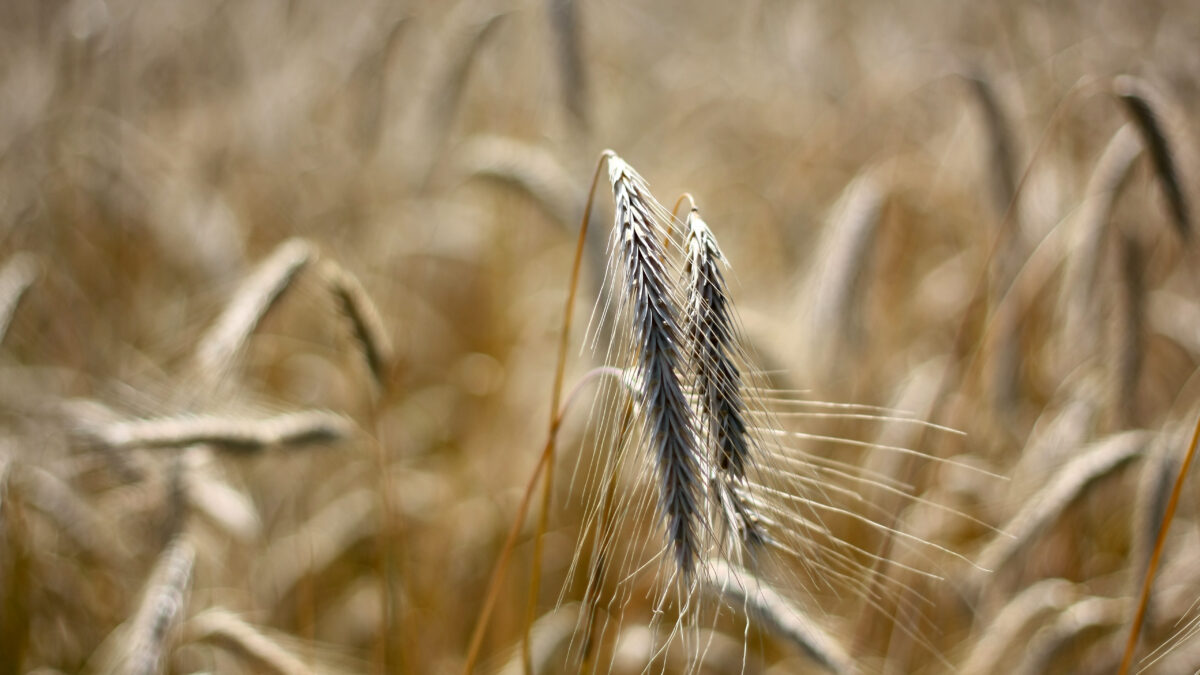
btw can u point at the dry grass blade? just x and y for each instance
(669, 423)
(739, 589)
(227, 630)
(1004, 635)
(364, 318)
(17, 275)
(251, 301)
(233, 434)
(163, 604)
(1155, 119)
(1072, 480)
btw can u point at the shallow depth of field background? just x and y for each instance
(151, 153)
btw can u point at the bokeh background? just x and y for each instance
(934, 163)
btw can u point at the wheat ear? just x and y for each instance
(1151, 112)
(253, 298)
(161, 607)
(718, 381)
(740, 589)
(1091, 464)
(226, 433)
(16, 277)
(669, 424)
(364, 317)
(225, 629)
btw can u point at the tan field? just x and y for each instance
(282, 291)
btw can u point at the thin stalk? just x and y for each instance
(1168, 515)
(546, 462)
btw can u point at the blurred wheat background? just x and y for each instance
(980, 214)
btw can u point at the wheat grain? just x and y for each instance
(234, 434)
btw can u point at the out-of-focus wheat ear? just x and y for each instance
(529, 167)
(1005, 636)
(1001, 151)
(1154, 490)
(1085, 617)
(16, 571)
(1093, 462)
(549, 639)
(164, 601)
(657, 341)
(564, 20)
(364, 318)
(222, 628)
(840, 269)
(1091, 227)
(17, 275)
(232, 434)
(741, 590)
(250, 302)
(1165, 137)
(1124, 343)
(74, 517)
(316, 544)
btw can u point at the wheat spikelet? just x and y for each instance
(364, 318)
(227, 630)
(668, 418)
(163, 603)
(251, 301)
(1155, 118)
(739, 589)
(234, 434)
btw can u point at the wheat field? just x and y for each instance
(905, 385)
